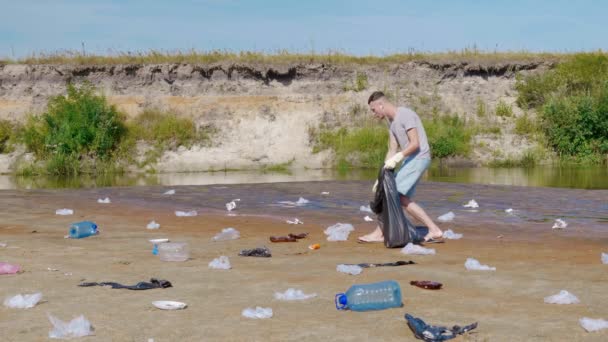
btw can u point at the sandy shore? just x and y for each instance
(508, 303)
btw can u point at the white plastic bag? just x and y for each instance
(104, 200)
(559, 224)
(446, 217)
(349, 269)
(78, 327)
(153, 225)
(472, 204)
(563, 297)
(185, 213)
(227, 234)
(257, 313)
(474, 265)
(25, 301)
(339, 231)
(293, 294)
(221, 263)
(591, 324)
(230, 205)
(64, 211)
(509, 210)
(294, 221)
(169, 192)
(368, 219)
(412, 249)
(450, 235)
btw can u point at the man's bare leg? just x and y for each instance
(417, 212)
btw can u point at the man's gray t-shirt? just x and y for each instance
(404, 120)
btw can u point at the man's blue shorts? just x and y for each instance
(409, 174)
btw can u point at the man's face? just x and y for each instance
(377, 108)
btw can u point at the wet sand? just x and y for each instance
(532, 260)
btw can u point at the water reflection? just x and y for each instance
(579, 177)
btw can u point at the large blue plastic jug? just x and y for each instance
(375, 296)
(83, 229)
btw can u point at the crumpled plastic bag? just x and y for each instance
(446, 217)
(349, 269)
(366, 209)
(339, 231)
(559, 224)
(295, 221)
(78, 327)
(591, 324)
(6, 268)
(104, 200)
(563, 297)
(257, 313)
(221, 263)
(471, 204)
(227, 234)
(186, 213)
(368, 219)
(153, 225)
(293, 294)
(169, 192)
(450, 235)
(25, 301)
(64, 211)
(509, 210)
(604, 258)
(474, 265)
(412, 249)
(230, 205)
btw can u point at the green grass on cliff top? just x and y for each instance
(284, 57)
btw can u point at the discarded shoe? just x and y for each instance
(432, 333)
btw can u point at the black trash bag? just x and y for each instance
(398, 231)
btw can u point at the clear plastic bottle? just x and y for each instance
(375, 296)
(83, 229)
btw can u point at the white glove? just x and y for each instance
(393, 161)
(375, 187)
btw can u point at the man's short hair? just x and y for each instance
(377, 95)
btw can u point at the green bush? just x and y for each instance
(362, 146)
(481, 108)
(163, 129)
(7, 134)
(524, 125)
(448, 136)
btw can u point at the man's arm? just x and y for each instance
(393, 146)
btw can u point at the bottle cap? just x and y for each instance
(341, 301)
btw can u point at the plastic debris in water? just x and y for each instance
(300, 202)
(426, 284)
(471, 204)
(153, 225)
(412, 249)
(78, 327)
(339, 231)
(559, 224)
(230, 205)
(563, 297)
(591, 324)
(474, 265)
(604, 258)
(227, 234)
(104, 200)
(349, 269)
(169, 192)
(221, 263)
(325, 193)
(446, 217)
(186, 213)
(509, 211)
(365, 209)
(6, 268)
(293, 294)
(64, 211)
(449, 234)
(25, 301)
(295, 221)
(257, 313)
(368, 219)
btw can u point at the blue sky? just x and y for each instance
(355, 26)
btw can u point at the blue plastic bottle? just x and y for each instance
(375, 296)
(83, 229)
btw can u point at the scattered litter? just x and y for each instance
(104, 200)
(474, 265)
(446, 217)
(325, 193)
(186, 213)
(366, 209)
(471, 204)
(300, 202)
(349, 269)
(83, 229)
(78, 327)
(261, 252)
(563, 297)
(591, 324)
(432, 333)
(293, 294)
(314, 246)
(153, 225)
(426, 284)
(52, 269)
(155, 243)
(559, 224)
(396, 263)
(368, 219)
(6, 268)
(257, 313)
(221, 263)
(227, 234)
(142, 285)
(25, 301)
(339, 231)
(412, 249)
(169, 305)
(298, 236)
(230, 205)
(169, 192)
(604, 258)
(509, 211)
(295, 221)
(450, 235)
(173, 251)
(64, 212)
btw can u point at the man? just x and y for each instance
(407, 143)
